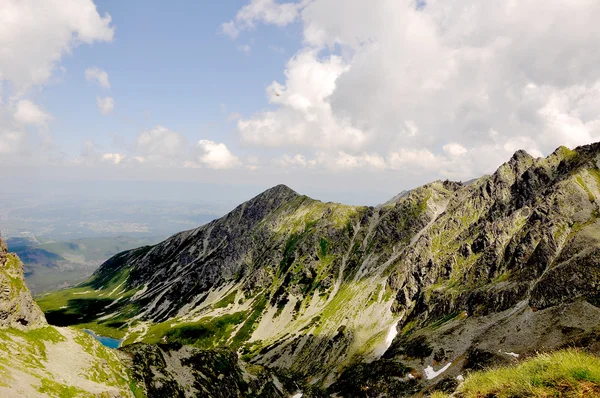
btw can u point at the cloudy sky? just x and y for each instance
(347, 100)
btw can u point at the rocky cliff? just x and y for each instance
(17, 308)
(437, 281)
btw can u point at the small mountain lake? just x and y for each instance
(106, 341)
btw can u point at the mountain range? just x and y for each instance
(288, 295)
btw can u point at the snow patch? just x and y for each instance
(432, 374)
(389, 338)
(392, 333)
(86, 292)
(299, 395)
(460, 378)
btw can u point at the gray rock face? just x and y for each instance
(17, 308)
(182, 371)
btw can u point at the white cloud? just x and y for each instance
(297, 160)
(33, 37)
(115, 158)
(161, 145)
(29, 113)
(346, 161)
(454, 149)
(263, 11)
(97, 76)
(245, 49)
(105, 105)
(11, 141)
(214, 156)
(390, 85)
(229, 29)
(304, 117)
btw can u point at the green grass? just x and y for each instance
(246, 330)
(205, 333)
(13, 272)
(568, 373)
(225, 301)
(54, 389)
(83, 305)
(584, 186)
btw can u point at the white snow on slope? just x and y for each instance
(432, 374)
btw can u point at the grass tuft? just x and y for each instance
(568, 373)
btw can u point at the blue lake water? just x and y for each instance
(106, 341)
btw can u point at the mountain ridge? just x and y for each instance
(320, 288)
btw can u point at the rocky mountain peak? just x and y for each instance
(17, 308)
(279, 192)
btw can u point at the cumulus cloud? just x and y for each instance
(105, 105)
(245, 49)
(264, 11)
(11, 141)
(452, 89)
(214, 156)
(304, 117)
(230, 30)
(297, 160)
(115, 158)
(97, 76)
(28, 112)
(160, 145)
(454, 149)
(34, 38)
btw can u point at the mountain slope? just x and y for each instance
(440, 280)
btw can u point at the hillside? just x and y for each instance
(442, 280)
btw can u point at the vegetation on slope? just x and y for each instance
(90, 306)
(569, 373)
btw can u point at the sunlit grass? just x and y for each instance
(569, 373)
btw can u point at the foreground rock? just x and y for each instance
(17, 308)
(174, 370)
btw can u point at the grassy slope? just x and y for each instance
(568, 373)
(83, 305)
(60, 362)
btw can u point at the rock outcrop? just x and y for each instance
(17, 307)
(173, 370)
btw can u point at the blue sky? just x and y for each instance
(170, 65)
(343, 100)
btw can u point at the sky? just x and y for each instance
(343, 100)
